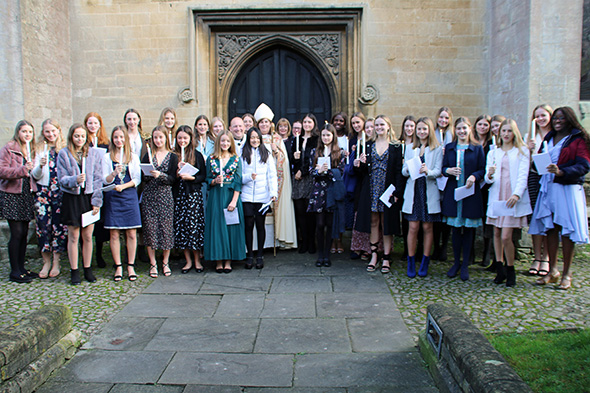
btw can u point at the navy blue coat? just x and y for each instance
(475, 164)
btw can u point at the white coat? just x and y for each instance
(266, 184)
(134, 168)
(519, 171)
(433, 160)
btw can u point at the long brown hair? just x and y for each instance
(72, 147)
(432, 139)
(217, 149)
(126, 148)
(189, 150)
(334, 149)
(16, 138)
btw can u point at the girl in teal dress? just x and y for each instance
(224, 243)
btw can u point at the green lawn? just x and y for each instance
(549, 362)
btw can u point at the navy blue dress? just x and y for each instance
(121, 209)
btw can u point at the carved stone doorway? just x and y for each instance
(284, 80)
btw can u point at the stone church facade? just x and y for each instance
(63, 58)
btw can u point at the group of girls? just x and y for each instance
(201, 194)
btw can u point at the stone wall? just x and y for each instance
(420, 55)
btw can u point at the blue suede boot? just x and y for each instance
(423, 272)
(411, 266)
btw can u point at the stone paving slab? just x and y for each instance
(288, 305)
(366, 283)
(226, 283)
(170, 306)
(134, 388)
(295, 390)
(342, 266)
(302, 336)
(125, 334)
(290, 265)
(205, 335)
(380, 335)
(229, 369)
(177, 283)
(247, 305)
(355, 305)
(74, 387)
(345, 370)
(212, 389)
(115, 366)
(301, 285)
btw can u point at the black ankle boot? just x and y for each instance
(510, 276)
(88, 274)
(75, 276)
(501, 273)
(249, 263)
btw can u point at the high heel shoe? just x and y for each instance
(565, 284)
(132, 277)
(118, 277)
(548, 279)
(153, 271)
(166, 270)
(374, 250)
(185, 270)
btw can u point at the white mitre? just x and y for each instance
(263, 112)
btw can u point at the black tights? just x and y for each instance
(306, 224)
(324, 222)
(249, 222)
(462, 241)
(17, 246)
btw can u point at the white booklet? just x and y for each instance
(231, 218)
(542, 161)
(147, 169)
(89, 218)
(324, 160)
(109, 187)
(414, 167)
(188, 169)
(441, 182)
(464, 192)
(499, 209)
(101, 151)
(387, 195)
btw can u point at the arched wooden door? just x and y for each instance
(284, 80)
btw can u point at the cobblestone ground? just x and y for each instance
(91, 304)
(496, 308)
(492, 308)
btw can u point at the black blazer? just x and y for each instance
(305, 162)
(393, 176)
(192, 185)
(475, 164)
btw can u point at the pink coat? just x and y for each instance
(12, 169)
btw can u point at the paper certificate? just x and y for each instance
(89, 218)
(441, 182)
(542, 161)
(147, 169)
(101, 151)
(387, 195)
(414, 167)
(499, 209)
(324, 160)
(108, 188)
(464, 192)
(231, 218)
(188, 169)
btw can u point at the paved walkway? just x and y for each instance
(290, 327)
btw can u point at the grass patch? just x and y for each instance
(549, 362)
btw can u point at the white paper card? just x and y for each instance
(464, 192)
(147, 169)
(231, 218)
(387, 195)
(188, 169)
(414, 167)
(441, 182)
(108, 188)
(542, 161)
(89, 218)
(324, 160)
(264, 208)
(499, 209)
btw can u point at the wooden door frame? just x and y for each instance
(222, 41)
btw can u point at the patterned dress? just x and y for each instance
(18, 207)
(317, 199)
(51, 233)
(189, 219)
(157, 208)
(378, 173)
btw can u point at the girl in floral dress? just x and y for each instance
(52, 235)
